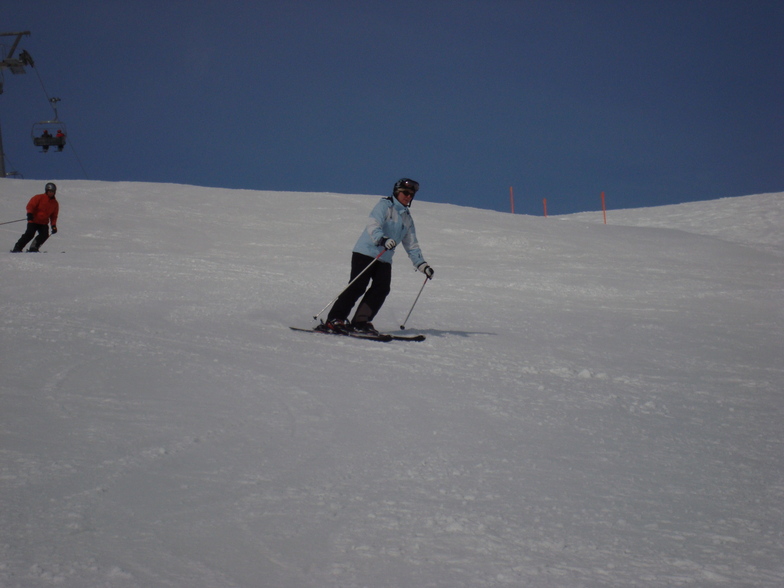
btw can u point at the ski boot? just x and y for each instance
(335, 326)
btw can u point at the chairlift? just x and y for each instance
(50, 133)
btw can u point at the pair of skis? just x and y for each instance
(383, 337)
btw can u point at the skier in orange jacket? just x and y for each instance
(41, 210)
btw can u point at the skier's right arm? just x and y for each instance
(376, 222)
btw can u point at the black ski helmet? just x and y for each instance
(50, 187)
(405, 184)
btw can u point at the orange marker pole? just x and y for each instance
(544, 201)
(511, 198)
(604, 209)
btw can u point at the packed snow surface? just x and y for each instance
(594, 406)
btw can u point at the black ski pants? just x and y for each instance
(32, 228)
(381, 276)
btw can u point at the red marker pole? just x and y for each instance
(544, 201)
(604, 209)
(511, 198)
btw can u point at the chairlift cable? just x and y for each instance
(48, 98)
(84, 171)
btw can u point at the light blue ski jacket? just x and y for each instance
(392, 220)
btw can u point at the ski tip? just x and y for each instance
(409, 338)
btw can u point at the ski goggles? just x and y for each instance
(408, 186)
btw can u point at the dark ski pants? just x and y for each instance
(380, 274)
(32, 228)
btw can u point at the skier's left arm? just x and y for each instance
(411, 245)
(53, 218)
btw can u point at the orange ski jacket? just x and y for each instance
(43, 209)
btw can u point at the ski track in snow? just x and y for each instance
(593, 406)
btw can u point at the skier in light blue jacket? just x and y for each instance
(390, 224)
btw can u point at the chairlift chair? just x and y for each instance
(49, 133)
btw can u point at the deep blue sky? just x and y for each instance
(653, 102)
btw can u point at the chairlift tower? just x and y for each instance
(17, 66)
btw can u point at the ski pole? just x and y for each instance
(16, 221)
(367, 267)
(403, 326)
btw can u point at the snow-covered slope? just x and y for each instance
(594, 405)
(752, 220)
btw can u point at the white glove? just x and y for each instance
(390, 243)
(426, 269)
